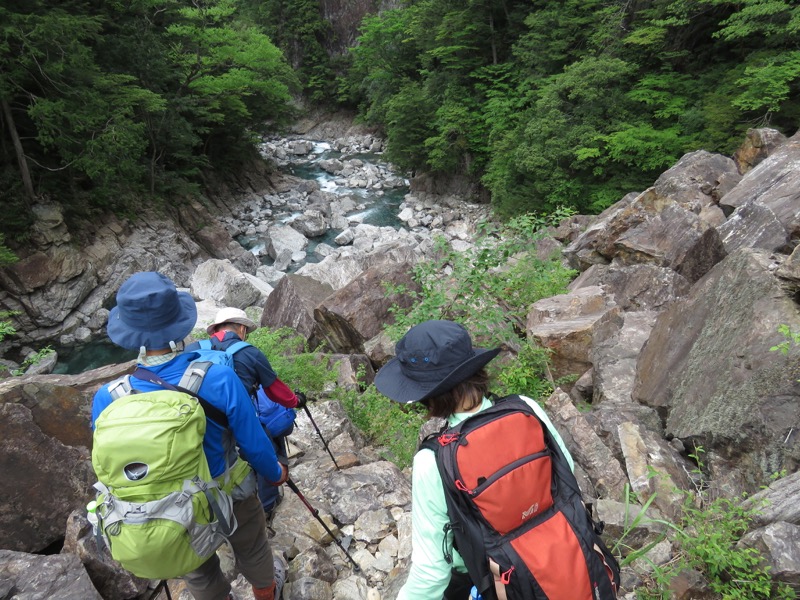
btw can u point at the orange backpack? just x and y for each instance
(516, 511)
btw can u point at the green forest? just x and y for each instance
(108, 105)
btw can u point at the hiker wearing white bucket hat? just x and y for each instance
(230, 327)
(233, 316)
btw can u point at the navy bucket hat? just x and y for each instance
(432, 358)
(150, 312)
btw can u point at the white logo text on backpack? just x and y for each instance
(527, 514)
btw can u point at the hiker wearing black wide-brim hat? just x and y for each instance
(430, 359)
(436, 364)
(153, 316)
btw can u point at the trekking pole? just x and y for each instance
(315, 512)
(162, 585)
(319, 433)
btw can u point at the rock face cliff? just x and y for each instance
(666, 332)
(60, 288)
(344, 18)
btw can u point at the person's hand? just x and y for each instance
(301, 399)
(284, 475)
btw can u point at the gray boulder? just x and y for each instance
(775, 183)
(34, 577)
(707, 368)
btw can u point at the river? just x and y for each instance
(376, 207)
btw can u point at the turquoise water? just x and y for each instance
(98, 353)
(381, 209)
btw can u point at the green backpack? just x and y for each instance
(158, 508)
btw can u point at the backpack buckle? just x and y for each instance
(136, 513)
(460, 486)
(505, 577)
(447, 438)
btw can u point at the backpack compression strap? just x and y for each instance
(212, 412)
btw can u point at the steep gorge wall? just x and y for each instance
(345, 17)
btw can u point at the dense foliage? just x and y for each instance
(547, 103)
(298, 29)
(106, 101)
(573, 102)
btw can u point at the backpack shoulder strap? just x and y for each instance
(205, 344)
(236, 346)
(429, 443)
(431, 440)
(212, 412)
(193, 376)
(500, 399)
(120, 387)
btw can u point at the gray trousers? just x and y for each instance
(251, 550)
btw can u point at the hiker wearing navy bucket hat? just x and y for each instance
(153, 316)
(437, 365)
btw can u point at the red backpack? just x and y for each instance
(516, 511)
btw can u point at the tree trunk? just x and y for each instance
(23, 164)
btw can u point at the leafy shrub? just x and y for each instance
(6, 328)
(490, 287)
(296, 365)
(386, 423)
(792, 338)
(527, 374)
(33, 359)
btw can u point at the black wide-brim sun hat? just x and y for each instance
(432, 358)
(150, 312)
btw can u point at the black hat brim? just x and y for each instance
(394, 384)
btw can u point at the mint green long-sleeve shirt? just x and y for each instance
(430, 572)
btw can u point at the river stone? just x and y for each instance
(778, 502)
(758, 145)
(220, 281)
(358, 312)
(564, 324)
(284, 237)
(698, 179)
(308, 588)
(292, 305)
(778, 544)
(775, 183)
(51, 480)
(753, 225)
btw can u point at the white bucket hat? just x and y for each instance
(231, 315)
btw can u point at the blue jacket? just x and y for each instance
(222, 389)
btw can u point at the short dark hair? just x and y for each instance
(473, 389)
